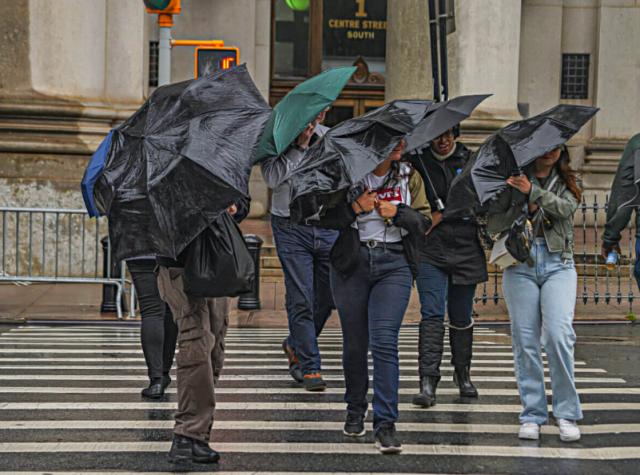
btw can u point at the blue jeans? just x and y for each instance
(371, 304)
(438, 294)
(541, 302)
(304, 254)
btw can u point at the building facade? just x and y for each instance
(70, 70)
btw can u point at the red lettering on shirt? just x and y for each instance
(390, 194)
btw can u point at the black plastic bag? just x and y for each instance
(218, 263)
(520, 237)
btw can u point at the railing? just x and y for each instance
(57, 246)
(587, 264)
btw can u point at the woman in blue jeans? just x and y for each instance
(373, 264)
(541, 294)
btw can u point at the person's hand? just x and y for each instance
(233, 209)
(305, 136)
(386, 209)
(521, 183)
(607, 249)
(366, 201)
(436, 218)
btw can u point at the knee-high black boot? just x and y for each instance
(430, 347)
(461, 341)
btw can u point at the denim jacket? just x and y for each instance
(559, 204)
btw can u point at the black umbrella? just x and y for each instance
(442, 117)
(177, 163)
(510, 149)
(354, 148)
(348, 152)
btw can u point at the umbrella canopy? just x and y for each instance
(442, 117)
(512, 148)
(179, 161)
(348, 152)
(299, 107)
(92, 173)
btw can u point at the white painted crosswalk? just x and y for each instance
(70, 394)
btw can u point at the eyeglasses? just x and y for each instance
(447, 135)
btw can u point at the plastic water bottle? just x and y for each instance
(612, 260)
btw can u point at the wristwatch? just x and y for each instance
(299, 148)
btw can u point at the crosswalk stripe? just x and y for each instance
(293, 406)
(48, 472)
(136, 344)
(306, 426)
(115, 359)
(262, 377)
(271, 367)
(228, 352)
(604, 453)
(297, 391)
(96, 328)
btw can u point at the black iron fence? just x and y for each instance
(596, 283)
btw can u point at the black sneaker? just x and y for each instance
(314, 382)
(155, 389)
(294, 364)
(166, 381)
(354, 427)
(188, 450)
(386, 440)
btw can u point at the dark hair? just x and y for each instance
(568, 174)
(394, 176)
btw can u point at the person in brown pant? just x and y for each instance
(202, 327)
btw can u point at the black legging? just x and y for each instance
(159, 332)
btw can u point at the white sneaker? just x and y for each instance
(569, 430)
(529, 431)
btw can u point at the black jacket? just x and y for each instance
(453, 245)
(345, 252)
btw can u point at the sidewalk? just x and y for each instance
(82, 302)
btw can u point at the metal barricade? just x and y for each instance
(588, 262)
(57, 246)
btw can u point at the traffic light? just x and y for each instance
(215, 58)
(172, 7)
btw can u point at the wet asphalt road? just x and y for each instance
(70, 402)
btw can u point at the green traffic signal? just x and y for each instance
(156, 4)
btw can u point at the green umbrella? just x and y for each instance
(298, 108)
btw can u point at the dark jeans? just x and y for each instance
(304, 254)
(158, 331)
(438, 295)
(371, 304)
(636, 266)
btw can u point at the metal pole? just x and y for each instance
(434, 49)
(165, 22)
(443, 49)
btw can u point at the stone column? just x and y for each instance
(484, 58)
(408, 52)
(540, 55)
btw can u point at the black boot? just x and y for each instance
(461, 353)
(430, 347)
(188, 450)
(155, 389)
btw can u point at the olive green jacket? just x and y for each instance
(559, 205)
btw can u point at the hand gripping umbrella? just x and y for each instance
(299, 107)
(179, 161)
(512, 148)
(348, 152)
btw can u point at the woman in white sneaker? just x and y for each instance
(541, 299)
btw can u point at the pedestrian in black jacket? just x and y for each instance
(373, 264)
(453, 262)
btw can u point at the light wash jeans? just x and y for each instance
(541, 302)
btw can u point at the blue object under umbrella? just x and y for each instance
(93, 172)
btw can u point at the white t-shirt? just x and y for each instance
(372, 226)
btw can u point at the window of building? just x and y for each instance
(575, 76)
(153, 64)
(291, 42)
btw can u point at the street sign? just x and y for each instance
(214, 58)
